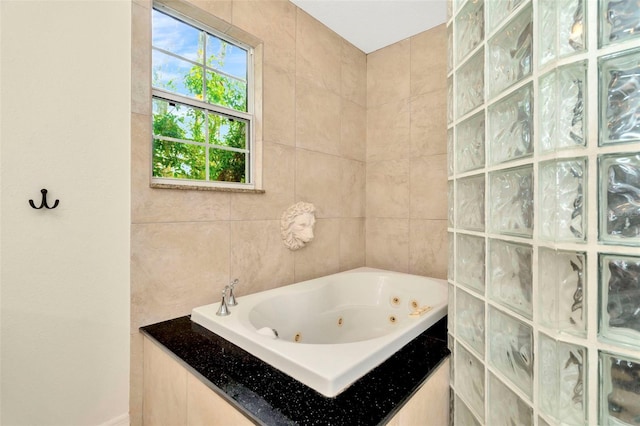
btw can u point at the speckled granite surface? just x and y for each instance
(270, 397)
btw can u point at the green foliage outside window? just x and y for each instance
(189, 139)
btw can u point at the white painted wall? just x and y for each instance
(64, 273)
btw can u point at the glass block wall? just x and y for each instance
(544, 211)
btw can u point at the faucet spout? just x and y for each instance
(231, 299)
(223, 310)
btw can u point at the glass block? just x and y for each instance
(449, 48)
(542, 422)
(450, 203)
(547, 28)
(562, 108)
(469, 28)
(470, 144)
(470, 320)
(451, 405)
(450, 152)
(619, 20)
(561, 196)
(511, 206)
(561, 28)
(450, 100)
(498, 10)
(451, 262)
(451, 342)
(505, 407)
(561, 378)
(562, 290)
(511, 126)
(511, 349)
(470, 259)
(619, 97)
(619, 390)
(619, 207)
(464, 416)
(510, 275)
(470, 81)
(470, 200)
(451, 314)
(470, 380)
(510, 53)
(620, 299)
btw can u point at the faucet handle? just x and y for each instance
(223, 310)
(232, 298)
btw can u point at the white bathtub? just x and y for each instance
(331, 330)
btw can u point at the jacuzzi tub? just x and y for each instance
(331, 330)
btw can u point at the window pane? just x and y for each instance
(177, 37)
(179, 121)
(226, 91)
(228, 166)
(192, 69)
(176, 76)
(226, 57)
(227, 131)
(178, 160)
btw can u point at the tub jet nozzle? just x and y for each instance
(269, 332)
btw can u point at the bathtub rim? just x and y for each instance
(327, 378)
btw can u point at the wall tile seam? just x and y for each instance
(419, 94)
(337, 156)
(416, 96)
(304, 81)
(296, 198)
(231, 221)
(275, 142)
(411, 160)
(374, 105)
(185, 222)
(391, 160)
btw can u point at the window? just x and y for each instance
(202, 105)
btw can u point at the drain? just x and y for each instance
(395, 301)
(340, 321)
(392, 319)
(297, 337)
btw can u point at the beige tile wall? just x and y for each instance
(406, 185)
(186, 245)
(175, 397)
(322, 99)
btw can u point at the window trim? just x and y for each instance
(253, 181)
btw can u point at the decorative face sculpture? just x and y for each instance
(296, 225)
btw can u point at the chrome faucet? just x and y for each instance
(223, 310)
(231, 300)
(227, 299)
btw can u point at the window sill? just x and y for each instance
(204, 188)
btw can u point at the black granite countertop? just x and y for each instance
(269, 397)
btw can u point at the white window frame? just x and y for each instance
(251, 167)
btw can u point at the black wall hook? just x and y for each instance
(44, 201)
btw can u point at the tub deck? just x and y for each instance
(267, 396)
(376, 307)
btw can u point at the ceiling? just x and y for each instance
(373, 24)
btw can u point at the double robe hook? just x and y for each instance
(44, 201)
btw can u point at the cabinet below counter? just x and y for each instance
(192, 376)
